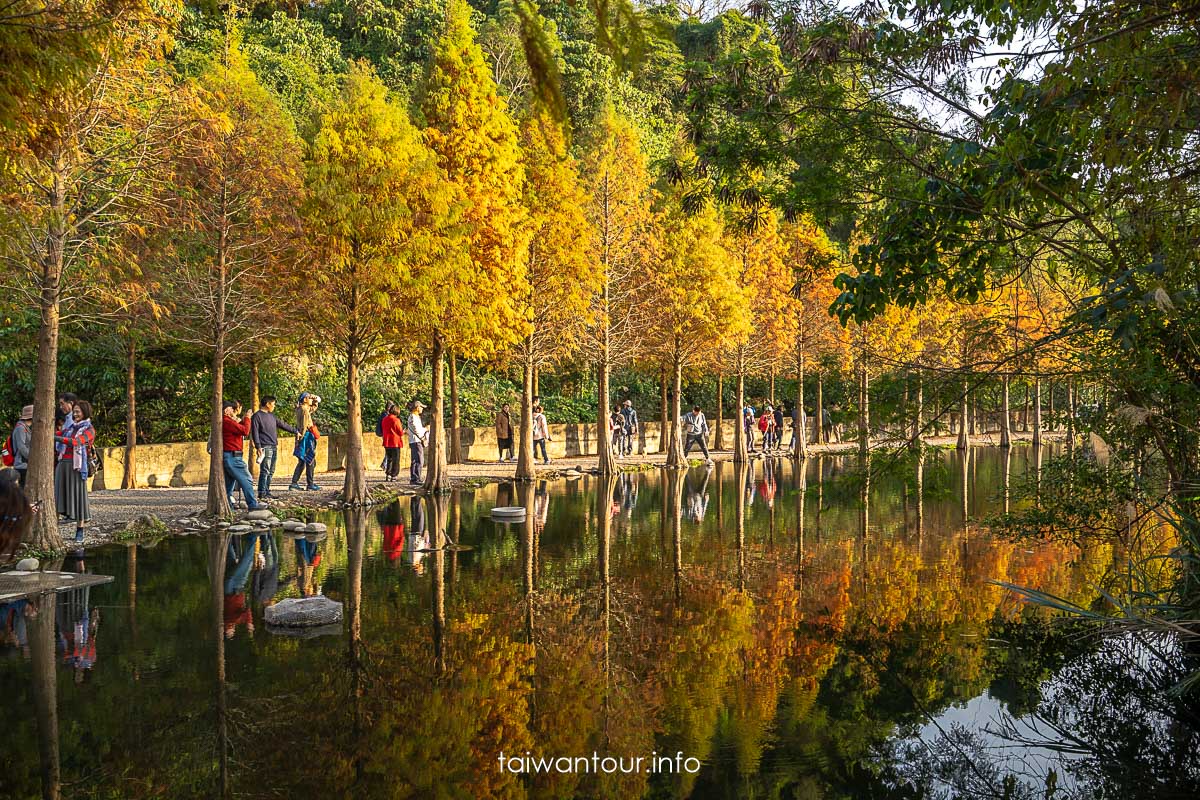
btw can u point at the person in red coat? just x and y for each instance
(393, 443)
(233, 434)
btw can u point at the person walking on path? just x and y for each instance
(541, 433)
(393, 442)
(233, 433)
(778, 426)
(20, 443)
(748, 425)
(264, 433)
(696, 427)
(616, 424)
(73, 444)
(306, 442)
(630, 427)
(418, 437)
(504, 434)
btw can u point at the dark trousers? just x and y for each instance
(391, 461)
(303, 468)
(626, 440)
(417, 452)
(540, 443)
(695, 438)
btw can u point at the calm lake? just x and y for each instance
(747, 632)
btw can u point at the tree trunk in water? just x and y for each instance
(1005, 418)
(129, 476)
(354, 490)
(1025, 411)
(864, 411)
(800, 430)
(1037, 411)
(819, 411)
(964, 437)
(1071, 406)
(741, 452)
(1051, 425)
(436, 479)
(606, 462)
(675, 457)
(218, 502)
(455, 444)
(663, 445)
(254, 402)
(719, 435)
(44, 685)
(972, 412)
(217, 548)
(526, 471)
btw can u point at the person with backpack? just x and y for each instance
(541, 433)
(264, 433)
(16, 449)
(307, 435)
(630, 427)
(393, 442)
(73, 446)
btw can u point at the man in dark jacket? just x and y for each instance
(264, 432)
(629, 427)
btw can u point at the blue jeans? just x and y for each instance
(266, 470)
(542, 444)
(236, 473)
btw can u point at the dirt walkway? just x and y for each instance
(114, 509)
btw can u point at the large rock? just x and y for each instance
(240, 528)
(27, 565)
(304, 612)
(259, 514)
(293, 525)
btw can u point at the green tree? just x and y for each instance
(235, 184)
(382, 216)
(473, 310)
(562, 276)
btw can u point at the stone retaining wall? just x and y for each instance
(186, 463)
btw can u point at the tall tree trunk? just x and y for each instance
(354, 490)
(1052, 424)
(864, 409)
(819, 411)
(1025, 410)
(254, 403)
(918, 412)
(772, 387)
(663, 445)
(129, 476)
(43, 534)
(1005, 417)
(741, 451)
(800, 431)
(606, 461)
(719, 434)
(964, 436)
(1037, 411)
(972, 412)
(436, 477)
(218, 502)
(455, 443)
(537, 380)
(1071, 408)
(44, 680)
(526, 471)
(675, 457)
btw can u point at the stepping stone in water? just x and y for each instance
(303, 612)
(293, 525)
(259, 514)
(240, 528)
(315, 527)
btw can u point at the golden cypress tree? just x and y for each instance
(475, 309)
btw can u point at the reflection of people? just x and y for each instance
(766, 486)
(77, 625)
(265, 579)
(697, 499)
(308, 558)
(628, 488)
(541, 507)
(13, 632)
(750, 484)
(239, 560)
(418, 538)
(391, 522)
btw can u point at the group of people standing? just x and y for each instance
(263, 428)
(506, 433)
(75, 458)
(394, 426)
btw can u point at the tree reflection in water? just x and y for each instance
(804, 655)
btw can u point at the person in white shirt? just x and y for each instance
(696, 428)
(418, 436)
(541, 433)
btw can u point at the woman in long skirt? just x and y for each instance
(73, 445)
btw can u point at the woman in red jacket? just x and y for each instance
(393, 443)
